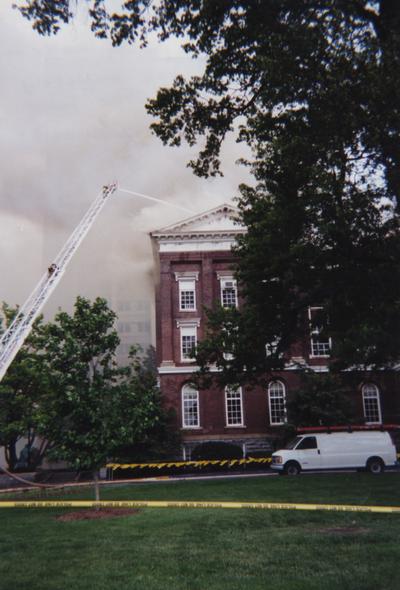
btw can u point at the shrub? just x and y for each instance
(216, 450)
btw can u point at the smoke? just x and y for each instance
(73, 119)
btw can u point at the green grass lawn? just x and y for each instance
(197, 549)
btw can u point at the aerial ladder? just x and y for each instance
(14, 337)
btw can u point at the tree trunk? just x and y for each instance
(96, 487)
(11, 455)
(43, 447)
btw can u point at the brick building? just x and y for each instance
(195, 266)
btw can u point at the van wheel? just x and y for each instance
(375, 465)
(292, 468)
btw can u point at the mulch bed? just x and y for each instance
(91, 514)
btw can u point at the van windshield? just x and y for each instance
(293, 443)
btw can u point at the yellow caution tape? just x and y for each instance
(179, 504)
(201, 463)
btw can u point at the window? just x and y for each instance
(187, 295)
(188, 341)
(309, 442)
(277, 402)
(190, 408)
(187, 289)
(321, 344)
(371, 402)
(228, 292)
(234, 407)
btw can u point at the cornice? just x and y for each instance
(178, 369)
(198, 235)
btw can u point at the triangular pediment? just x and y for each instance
(222, 219)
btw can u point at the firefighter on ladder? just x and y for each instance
(52, 268)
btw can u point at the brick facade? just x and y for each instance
(198, 251)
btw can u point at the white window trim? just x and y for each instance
(222, 279)
(315, 332)
(378, 399)
(241, 425)
(320, 356)
(191, 309)
(186, 322)
(193, 324)
(187, 275)
(190, 390)
(284, 403)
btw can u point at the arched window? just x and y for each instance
(277, 402)
(372, 405)
(190, 407)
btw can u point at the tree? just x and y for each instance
(297, 255)
(273, 63)
(322, 399)
(20, 392)
(160, 440)
(313, 87)
(93, 406)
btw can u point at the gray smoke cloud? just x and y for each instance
(73, 119)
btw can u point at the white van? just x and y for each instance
(371, 450)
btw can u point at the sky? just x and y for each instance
(72, 119)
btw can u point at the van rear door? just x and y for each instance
(308, 453)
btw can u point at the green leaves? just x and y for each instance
(65, 386)
(276, 68)
(313, 89)
(321, 399)
(46, 15)
(94, 406)
(315, 237)
(20, 392)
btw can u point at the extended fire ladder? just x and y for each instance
(15, 335)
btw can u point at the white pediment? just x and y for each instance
(222, 219)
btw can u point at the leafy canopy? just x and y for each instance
(270, 64)
(94, 406)
(20, 392)
(321, 399)
(313, 88)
